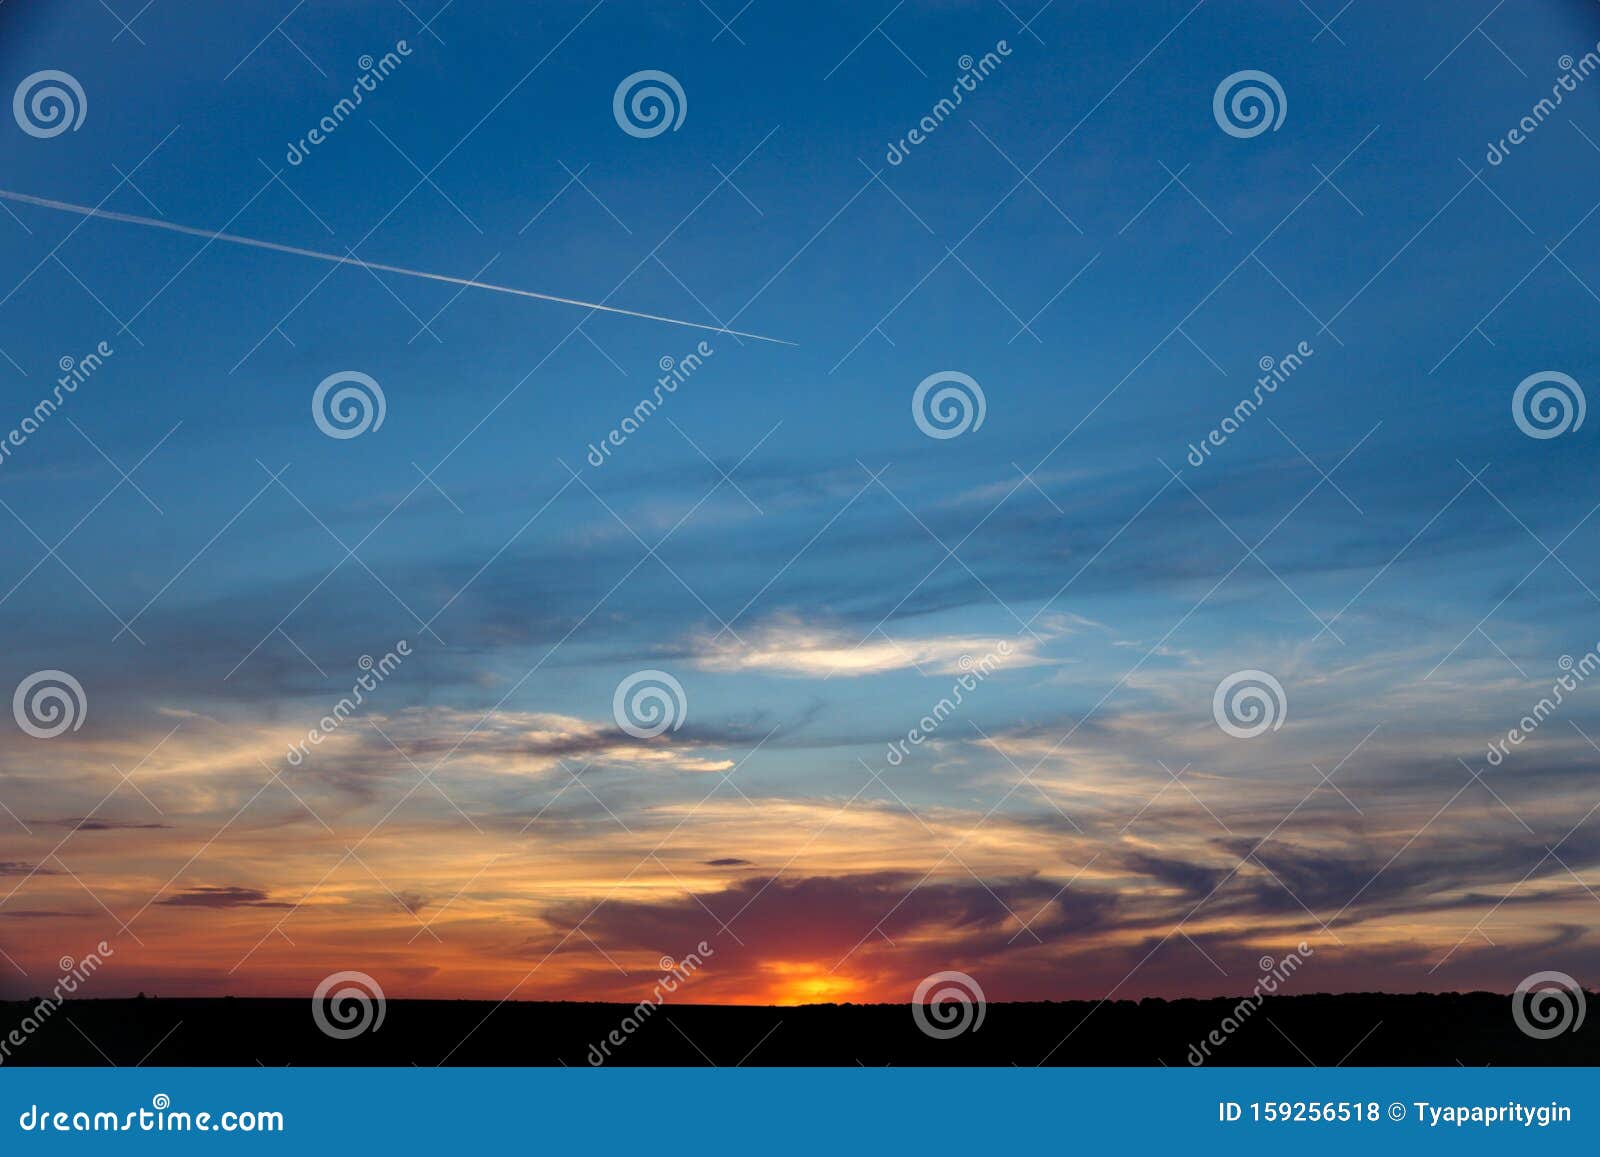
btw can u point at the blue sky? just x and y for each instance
(814, 600)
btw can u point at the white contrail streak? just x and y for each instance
(235, 239)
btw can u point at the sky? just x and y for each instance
(939, 682)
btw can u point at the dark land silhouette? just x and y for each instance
(1356, 1029)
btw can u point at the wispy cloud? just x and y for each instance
(788, 646)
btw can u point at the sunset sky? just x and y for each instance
(1080, 237)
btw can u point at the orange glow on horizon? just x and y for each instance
(804, 982)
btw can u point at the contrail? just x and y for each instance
(235, 239)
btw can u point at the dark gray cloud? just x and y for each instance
(20, 868)
(217, 896)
